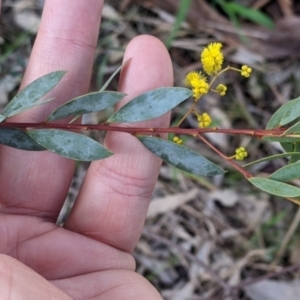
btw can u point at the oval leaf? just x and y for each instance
(293, 129)
(288, 147)
(292, 113)
(28, 97)
(70, 144)
(275, 187)
(181, 157)
(17, 138)
(295, 158)
(40, 102)
(287, 173)
(277, 116)
(86, 104)
(282, 139)
(2, 118)
(151, 104)
(272, 157)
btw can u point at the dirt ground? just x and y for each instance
(204, 238)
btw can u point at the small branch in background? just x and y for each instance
(188, 255)
(287, 237)
(286, 7)
(248, 282)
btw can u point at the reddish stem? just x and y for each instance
(245, 173)
(135, 130)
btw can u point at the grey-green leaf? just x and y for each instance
(277, 116)
(29, 96)
(2, 118)
(283, 139)
(69, 144)
(288, 147)
(292, 113)
(293, 129)
(40, 102)
(295, 158)
(86, 104)
(287, 173)
(180, 157)
(272, 157)
(17, 138)
(275, 187)
(151, 104)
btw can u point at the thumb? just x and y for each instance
(20, 282)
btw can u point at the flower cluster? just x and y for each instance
(204, 120)
(177, 140)
(246, 71)
(198, 83)
(212, 58)
(221, 89)
(240, 153)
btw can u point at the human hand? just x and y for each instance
(88, 258)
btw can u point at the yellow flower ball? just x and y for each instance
(177, 140)
(212, 58)
(204, 120)
(240, 153)
(198, 83)
(221, 89)
(246, 71)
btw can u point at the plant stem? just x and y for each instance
(141, 130)
(216, 76)
(187, 113)
(245, 173)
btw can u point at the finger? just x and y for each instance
(55, 252)
(107, 285)
(114, 198)
(19, 282)
(37, 183)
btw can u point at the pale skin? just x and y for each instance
(90, 256)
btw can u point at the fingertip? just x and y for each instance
(149, 67)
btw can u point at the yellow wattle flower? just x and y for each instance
(198, 83)
(212, 58)
(221, 89)
(240, 153)
(177, 140)
(191, 78)
(204, 120)
(246, 71)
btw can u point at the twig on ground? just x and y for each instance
(248, 282)
(287, 237)
(193, 258)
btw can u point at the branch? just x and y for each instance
(134, 130)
